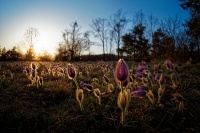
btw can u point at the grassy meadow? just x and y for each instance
(46, 100)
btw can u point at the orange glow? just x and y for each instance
(45, 42)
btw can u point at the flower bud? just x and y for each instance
(138, 74)
(88, 87)
(106, 79)
(157, 77)
(121, 72)
(27, 70)
(177, 97)
(161, 80)
(97, 94)
(138, 94)
(33, 66)
(80, 97)
(41, 81)
(141, 68)
(169, 64)
(81, 84)
(71, 71)
(142, 88)
(33, 73)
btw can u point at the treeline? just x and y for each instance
(15, 54)
(136, 38)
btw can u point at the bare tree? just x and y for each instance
(61, 52)
(172, 27)
(30, 38)
(75, 43)
(139, 18)
(71, 37)
(183, 48)
(86, 43)
(152, 24)
(99, 27)
(118, 23)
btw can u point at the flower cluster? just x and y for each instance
(32, 74)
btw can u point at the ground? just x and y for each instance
(52, 107)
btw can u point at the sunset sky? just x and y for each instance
(52, 17)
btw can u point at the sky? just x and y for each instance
(52, 17)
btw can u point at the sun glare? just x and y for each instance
(46, 42)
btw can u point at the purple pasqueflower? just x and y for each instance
(161, 80)
(138, 94)
(33, 73)
(88, 87)
(60, 70)
(111, 68)
(177, 97)
(82, 84)
(138, 74)
(71, 71)
(157, 77)
(106, 79)
(27, 70)
(85, 86)
(142, 87)
(169, 64)
(24, 71)
(125, 82)
(144, 73)
(41, 79)
(33, 66)
(121, 71)
(141, 68)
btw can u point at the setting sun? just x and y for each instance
(45, 43)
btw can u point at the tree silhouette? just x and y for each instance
(99, 27)
(71, 38)
(135, 43)
(128, 45)
(30, 54)
(3, 54)
(118, 23)
(74, 43)
(31, 37)
(142, 47)
(158, 47)
(45, 56)
(193, 24)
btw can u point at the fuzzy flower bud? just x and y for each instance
(169, 64)
(97, 94)
(80, 97)
(33, 66)
(106, 79)
(143, 88)
(139, 94)
(121, 72)
(161, 80)
(177, 97)
(71, 71)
